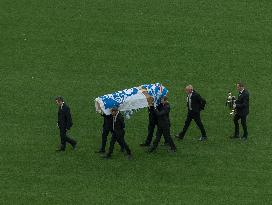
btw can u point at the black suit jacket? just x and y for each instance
(152, 115)
(242, 104)
(107, 121)
(197, 102)
(119, 124)
(64, 117)
(163, 115)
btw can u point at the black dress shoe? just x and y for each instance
(129, 157)
(107, 156)
(234, 137)
(203, 139)
(172, 150)
(179, 137)
(74, 146)
(150, 150)
(100, 152)
(144, 145)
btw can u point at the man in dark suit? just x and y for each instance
(64, 124)
(106, 129)
(152, 123)
(162, 112)
(195, 104)
(241, 107)
(118, 133)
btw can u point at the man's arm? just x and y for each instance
(122, 121)
(103, 115)
(200, 99)
(164, 111)
(68, 118)
(202, 102)
(245, 101)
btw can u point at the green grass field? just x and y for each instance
(84, 49)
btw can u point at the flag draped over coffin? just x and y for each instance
(132, 99)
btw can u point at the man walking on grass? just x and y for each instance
(64, 123)
(118, 134)
(195, 104)
(162, 112)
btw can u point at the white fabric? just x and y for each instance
(134, 102)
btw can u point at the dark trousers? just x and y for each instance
(151, 128)
(244, 125)
(64, 138)
(165, 131)
(105, 133)
(196, 117)
(119, 137)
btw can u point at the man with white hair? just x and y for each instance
(195, 104)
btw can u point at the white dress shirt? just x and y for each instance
(114, 119)
(189, 101)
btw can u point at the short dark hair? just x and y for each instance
(241, 84)
(59, 99)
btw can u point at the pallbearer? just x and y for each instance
(152, 123)
(106, 130)
(162, 112)
(118, 133)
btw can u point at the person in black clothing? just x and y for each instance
(118, 133)
(107, 128)
(195, 104)
(162, 113)
(64, 123)
(152, 123)
(241, 107)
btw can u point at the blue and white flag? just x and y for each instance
(132, 99)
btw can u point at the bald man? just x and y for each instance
(195, 104)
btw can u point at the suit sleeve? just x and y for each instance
(68, 118)
(200, 99)
(244, 103)
(122, 121)
(151, 109)
(203, 101)
(164, 111)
